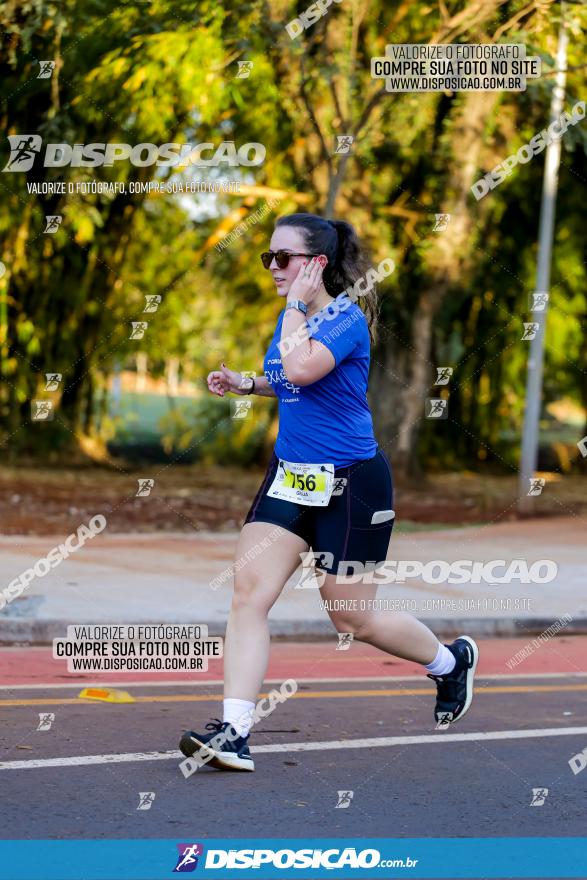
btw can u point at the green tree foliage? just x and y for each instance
(166, 71)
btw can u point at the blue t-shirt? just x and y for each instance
(328, 421)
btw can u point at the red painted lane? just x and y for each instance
(313, 660)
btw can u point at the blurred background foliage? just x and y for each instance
(166, 71)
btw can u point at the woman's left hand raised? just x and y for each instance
(308, 282)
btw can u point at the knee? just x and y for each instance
(360, 625)
(247, 592)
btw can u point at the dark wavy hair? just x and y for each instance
(347, 259)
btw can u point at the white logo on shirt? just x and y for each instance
(278, 377)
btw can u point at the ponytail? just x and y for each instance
(351, 263)
(347, 260)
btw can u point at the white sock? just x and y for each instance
(443, 663)
(239, 713)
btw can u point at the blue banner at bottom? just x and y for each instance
(477, 858)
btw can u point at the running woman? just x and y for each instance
(328, 485)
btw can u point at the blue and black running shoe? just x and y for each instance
(455, 689)
(222, 748)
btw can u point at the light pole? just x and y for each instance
(529, 458)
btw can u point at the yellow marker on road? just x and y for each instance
(107, 695)
(530, 690)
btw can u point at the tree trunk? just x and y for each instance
(409, 374)
(88, 417)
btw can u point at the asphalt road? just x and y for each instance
(332, 736)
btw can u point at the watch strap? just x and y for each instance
(299, 305)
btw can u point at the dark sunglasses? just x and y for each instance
(282, 258)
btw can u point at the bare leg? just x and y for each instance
(396, 632)
(256, 588)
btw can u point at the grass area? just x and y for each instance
(137, 416)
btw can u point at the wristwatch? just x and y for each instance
(297, 304)
(252, 388)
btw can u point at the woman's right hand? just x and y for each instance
(223, 380)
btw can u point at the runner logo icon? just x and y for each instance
(187, 859)
(23, 150)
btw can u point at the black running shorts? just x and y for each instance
(353, 527)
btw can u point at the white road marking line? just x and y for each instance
(84, 760)
(218, 681)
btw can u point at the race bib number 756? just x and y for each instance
(309, 484)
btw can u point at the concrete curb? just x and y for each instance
(41, 632)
